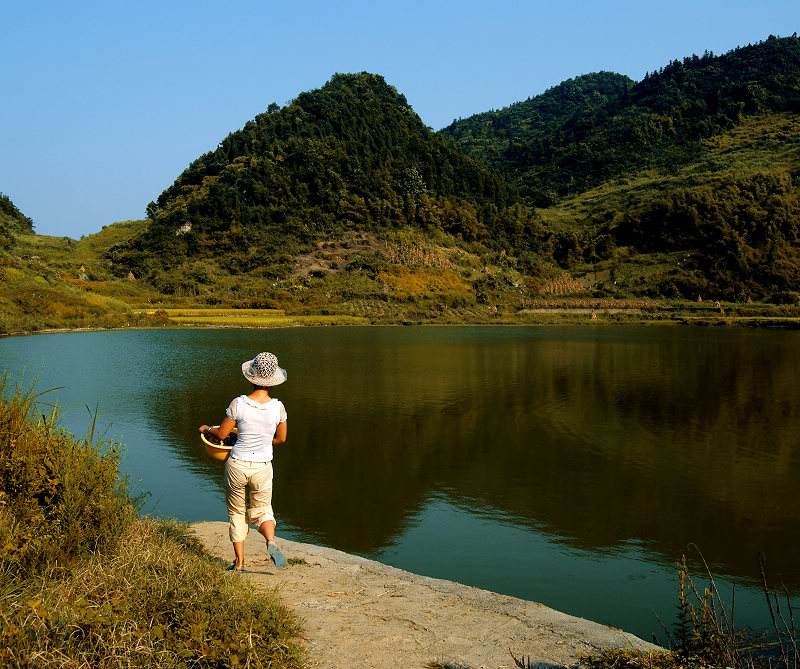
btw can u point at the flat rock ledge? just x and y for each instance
(358, 613)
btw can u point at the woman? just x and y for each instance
(261, 424)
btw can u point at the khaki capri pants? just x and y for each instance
(241, 476)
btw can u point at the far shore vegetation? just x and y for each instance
(672, 199)
(53, 283)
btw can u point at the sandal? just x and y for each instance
(277, 556)
(234, 569)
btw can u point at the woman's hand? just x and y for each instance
(220, 432)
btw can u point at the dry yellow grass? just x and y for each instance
(404, 283)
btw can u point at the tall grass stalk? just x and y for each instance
(705, 633)
(785, 632)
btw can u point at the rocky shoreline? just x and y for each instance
(358, 613)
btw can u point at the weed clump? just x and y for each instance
(705, 634)
(60, 498)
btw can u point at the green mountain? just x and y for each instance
(623, 173)
(351, 155)
(699, 159)
(593, 128)
(529, 139)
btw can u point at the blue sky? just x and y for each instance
(105, 103)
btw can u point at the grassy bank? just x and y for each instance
(86, 582)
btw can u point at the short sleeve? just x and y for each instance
(230, 412)
(283, 412)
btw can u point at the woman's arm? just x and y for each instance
(219, 432)
(280, 433)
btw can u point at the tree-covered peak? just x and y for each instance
(559, 101)
(768, 67)
(593, 128)
(347, 102)
(352, 154)
(360, 87)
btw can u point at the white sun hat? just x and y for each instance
(263, 370)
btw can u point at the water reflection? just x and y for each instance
(647, 436)
(583, 460)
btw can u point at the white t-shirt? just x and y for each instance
(256, 423)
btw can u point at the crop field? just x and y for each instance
(189, 312)
(253, 318)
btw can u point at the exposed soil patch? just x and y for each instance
(334, 254)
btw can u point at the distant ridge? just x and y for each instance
(598, 126)
(699, 158)
(12, 220)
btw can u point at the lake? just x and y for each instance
(572, 466)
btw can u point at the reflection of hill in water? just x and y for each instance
(599, 441)
(599, 436)
(669, 442)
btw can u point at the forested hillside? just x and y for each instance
(598, 126)
(699, 158)
(528, 140)
(351, 155)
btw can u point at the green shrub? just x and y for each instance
(785, 297)
(62, 498)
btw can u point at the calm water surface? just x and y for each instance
(570, 466)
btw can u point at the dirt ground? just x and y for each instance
(362, 614)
